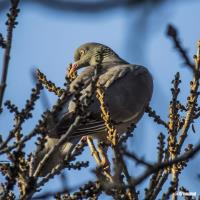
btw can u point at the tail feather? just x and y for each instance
(56, 158)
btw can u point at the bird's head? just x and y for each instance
(87, 53)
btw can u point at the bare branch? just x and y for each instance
(159, 166)
(172, 32)
(11, 23)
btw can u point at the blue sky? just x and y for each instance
(47, 40)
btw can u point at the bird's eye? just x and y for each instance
(82, 52)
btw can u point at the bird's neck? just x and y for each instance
(114, 59)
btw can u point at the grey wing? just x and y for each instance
(92, 124)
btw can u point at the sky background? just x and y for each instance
(46, 39)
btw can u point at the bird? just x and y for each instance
(128, 90)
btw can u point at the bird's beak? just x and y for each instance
(73, 69)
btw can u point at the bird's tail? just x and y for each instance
(56, 158)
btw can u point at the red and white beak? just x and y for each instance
(73, 69)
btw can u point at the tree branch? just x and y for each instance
(11, 23)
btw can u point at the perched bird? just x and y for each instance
(128, 90)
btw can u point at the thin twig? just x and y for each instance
(172, 32)
(11, 22)
(134, 157)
